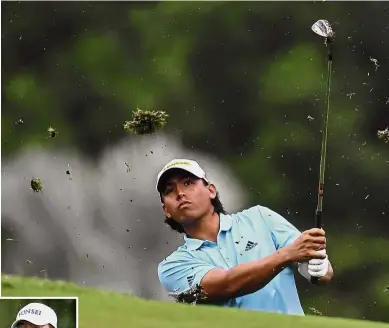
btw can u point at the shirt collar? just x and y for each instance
(225, 222)
(225, 225)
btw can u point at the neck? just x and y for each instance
(207, 227)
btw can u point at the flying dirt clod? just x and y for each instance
(36, 184)
(128, 167)
(384, 134)
(195, 295)
(146, 122)
(315, 311)
(52, 132)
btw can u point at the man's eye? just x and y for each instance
(187, 182)
(168, 190)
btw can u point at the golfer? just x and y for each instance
(241, 260)
(35, 315)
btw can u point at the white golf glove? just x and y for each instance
(315, 267)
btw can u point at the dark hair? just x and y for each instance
(217, 207)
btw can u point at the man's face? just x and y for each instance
(26, 324)
(186, 198)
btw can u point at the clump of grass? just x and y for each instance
(194, 295)
(316, 311)
(384, 134)
(36, 184)
(52, 132)
(146, 122)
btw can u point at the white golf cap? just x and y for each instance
(183, 164)
(38, 314)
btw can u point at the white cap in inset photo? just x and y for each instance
(184, 164)
(38, 314)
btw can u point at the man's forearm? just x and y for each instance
(249, 277)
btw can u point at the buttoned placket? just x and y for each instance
(223, 250)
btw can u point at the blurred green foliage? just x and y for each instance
(245, 81)
(64, 308)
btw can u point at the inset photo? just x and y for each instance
(28, 312)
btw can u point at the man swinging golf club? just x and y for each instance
(35, 315)
(241, 260)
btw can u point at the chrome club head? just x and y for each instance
(323, 28)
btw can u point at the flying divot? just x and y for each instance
(193, 296)
(146, 122)
(52, 132)
(36, 184)
(128, 167)
(375, 62)
(68, 172)
(384, 134)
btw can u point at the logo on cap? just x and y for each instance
(177, 163)
(29, 311)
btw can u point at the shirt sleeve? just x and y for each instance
(282, 231)
(178, 273)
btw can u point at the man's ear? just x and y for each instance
(165, 211)
(212, 191)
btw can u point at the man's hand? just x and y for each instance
(307, 247)
(314, 268)
(318, 267)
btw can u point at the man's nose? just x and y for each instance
(180, 191)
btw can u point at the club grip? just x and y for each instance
(314, 280)
(318, 219)
(318, 224)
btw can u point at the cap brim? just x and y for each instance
(164, 175)
(34, 322)
(15, 323)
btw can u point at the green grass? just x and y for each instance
(99, 308)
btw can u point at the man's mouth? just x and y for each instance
(184, 203)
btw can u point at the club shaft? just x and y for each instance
(319, 209)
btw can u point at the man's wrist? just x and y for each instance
(285, 254)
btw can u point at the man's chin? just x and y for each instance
(187, 212)
(190, 219)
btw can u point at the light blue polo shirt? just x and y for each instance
(243, 237)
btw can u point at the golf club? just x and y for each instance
(323, 28)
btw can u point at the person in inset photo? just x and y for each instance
(35, 315)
